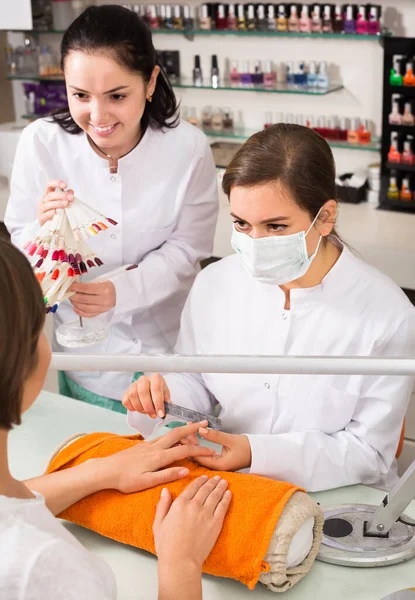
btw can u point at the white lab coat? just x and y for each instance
(318, 431)
(164, 198)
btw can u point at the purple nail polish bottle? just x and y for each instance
(246, 77)
(349, 22)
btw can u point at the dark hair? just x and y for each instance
(22, 316)
(296, 156)
(125, 36)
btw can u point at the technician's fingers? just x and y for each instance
(131, 400)
(144, 394)
(158, 387)
(175, 435)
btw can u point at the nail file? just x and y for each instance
(191, 415)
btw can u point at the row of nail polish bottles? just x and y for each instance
(311, 75)
(403, 192)
(214, 79)
(332, 128)
(395, 155)
(396, 77)
(216, 119)
(398, 118)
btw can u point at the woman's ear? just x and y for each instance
(327, 218)
(153, 81)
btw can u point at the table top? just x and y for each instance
(54, 418)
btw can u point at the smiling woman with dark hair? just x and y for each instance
(120, 147)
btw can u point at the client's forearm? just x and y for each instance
(63, 488)
(179, 581)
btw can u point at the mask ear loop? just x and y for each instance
(321, 237)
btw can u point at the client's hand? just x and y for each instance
(186, 530)
(143, 465)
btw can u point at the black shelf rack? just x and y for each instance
(404, 47)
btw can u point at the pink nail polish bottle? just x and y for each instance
(361, 21)
(232, 25)
(373, 25)
(395, 117)
(305, 21)
(234, 74)
(270, 77)
(316, 22)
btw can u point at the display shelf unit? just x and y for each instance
(242, 134)
(279, 88)
(402, 47)
(226, 32)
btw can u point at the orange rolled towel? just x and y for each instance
(257, 504)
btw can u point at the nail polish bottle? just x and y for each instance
(192, 118)
(250, 18)
(262, 21)
(327, 20)
(168, 23)
(282, 21)
(197, 73)
(409, 78)
(152, 19)
(234, 75)
(394, 156)
(217, 120)
(227, 121)
(205, 21)
(177, 17)
(293, 25)
(270, 78)
(305, 21)
(332, 129)
(342, 133)
(161, 16)
(300, 77)
(349, 22)
(290, 73)
(316, 22)
(395, 117)
(393, 192)
(221, 20)
(309, 121)
(268, 120)
(207, 118)
(407, 157)
(352, 134)
(364, 134)
(338, 24)
(312, 74)
(406, 191)
(246, 77)
(361, 21)
(408, 117)
(320, 127)
(272, 21)
(395, 76)
(188, 20)
(241, 22)
(323, 80)
(215, 72)
(257, 74)
(232, 23)
(373, 25)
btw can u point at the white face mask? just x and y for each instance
(276, 259)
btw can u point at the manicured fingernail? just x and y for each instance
(160, 414)
(164, 492)
(203, 430)
(217, 477)
(205, 422)
(183, 472)
(69, 196)
(204, 477)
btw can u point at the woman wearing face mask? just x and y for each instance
(121, 148)
(292, 288)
